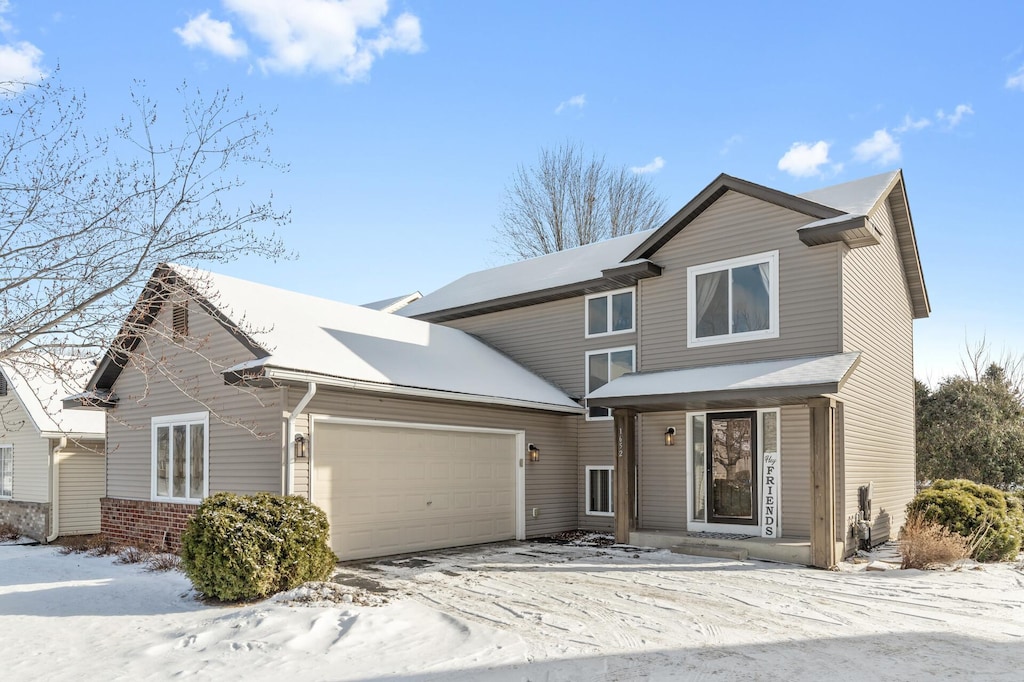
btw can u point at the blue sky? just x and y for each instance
(402, 122)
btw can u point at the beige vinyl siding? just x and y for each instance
(244, 438)
(662, 478)
(796, 472)
(300, 479)
(30, 458)
(80, 487)
(737, 225)
(879, 396)
(597, 448)
(551, 483)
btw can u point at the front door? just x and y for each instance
(732, 472)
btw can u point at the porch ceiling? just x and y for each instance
(768, 383)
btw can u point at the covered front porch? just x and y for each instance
(730, 424)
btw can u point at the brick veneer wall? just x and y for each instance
(143, 523)
(32, 519)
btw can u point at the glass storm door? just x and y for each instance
(731, 472)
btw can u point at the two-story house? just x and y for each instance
(743, 373)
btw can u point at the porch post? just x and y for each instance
(625, 473)
(823, 480)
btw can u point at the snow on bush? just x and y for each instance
(239, 547)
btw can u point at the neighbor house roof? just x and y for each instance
(768, 382)
(390, 305)
(297, 337)
(40, 394)
(837, 213)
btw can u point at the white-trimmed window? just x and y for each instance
(6, 470)
(601, 491)
(181, 457)
(733, 300)
(603, 366)
(613, 312)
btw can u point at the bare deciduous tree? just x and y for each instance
(85, 219)
(567, 200)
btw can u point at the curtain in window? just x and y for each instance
(763, 268)
(707, 285)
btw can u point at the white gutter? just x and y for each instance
(289, 443)
(55, 489)
(355, 384)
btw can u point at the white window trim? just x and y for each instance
(180, 419)
(608, 295)
(772, 258)
(611, 491)
(586, 373)
(737, 528)
(9, 446)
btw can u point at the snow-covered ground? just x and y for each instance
(529, 611)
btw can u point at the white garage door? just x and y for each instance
(394, 489)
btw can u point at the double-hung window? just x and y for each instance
(733, 300)
(6, 470)
(613, 312)
(601, 491)
(180, 457)
(604, 366)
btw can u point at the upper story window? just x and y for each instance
(613, 312)
(733, 300)
(180, 457)
(604, 366)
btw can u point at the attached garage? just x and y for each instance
(391, 488)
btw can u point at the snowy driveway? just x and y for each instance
(529, 611)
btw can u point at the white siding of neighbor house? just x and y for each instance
(550, 483)
(30, 465)
(81, 485)
(878, 399)
(245, 426)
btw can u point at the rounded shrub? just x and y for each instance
(250, 546)
(992, 518)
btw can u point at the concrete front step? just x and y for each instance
(768, 549)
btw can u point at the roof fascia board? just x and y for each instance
(710, 194)
(275, 374)
(907, 243)
(612, 278)
(844, 231)
(674, 401)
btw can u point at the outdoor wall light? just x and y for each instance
(301, 446)
(670, 435)
(534, 452)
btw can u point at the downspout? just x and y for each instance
(289, 444)
(55, 489)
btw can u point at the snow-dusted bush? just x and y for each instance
(250, 546)
(970, 509)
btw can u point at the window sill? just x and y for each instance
(606, 514)
(601, 335)
(731, 338)
(176, 500)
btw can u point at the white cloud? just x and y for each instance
(21, 61)
(213, 35)
(804, 159)
(653, 167)
(880, 148)
(954, 119)
(578, 101)
(910, 124)
(1016, 81)
(326, 36)
(730, 143)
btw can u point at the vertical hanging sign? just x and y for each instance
(770, 487)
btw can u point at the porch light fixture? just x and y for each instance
(534, 452)
(301, 446)
(670, 435)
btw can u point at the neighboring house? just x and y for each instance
(745, 374)
(51, 459)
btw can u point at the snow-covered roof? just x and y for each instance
(550, 271)
(323, 338)
(856, 197)
(41, 393)
(390, 305)
(793, 377)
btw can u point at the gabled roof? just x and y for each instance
(762, 383)
(297, 337)
(837, 213)
(390, 305)
(41, 395)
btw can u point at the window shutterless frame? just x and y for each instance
(173, 472)
(717, 285)
(609, 312)
(6, 471)
(609, 373)
(600, 490)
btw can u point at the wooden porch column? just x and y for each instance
(823, 480)
(625, 473)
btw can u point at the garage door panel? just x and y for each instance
(391, 489)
